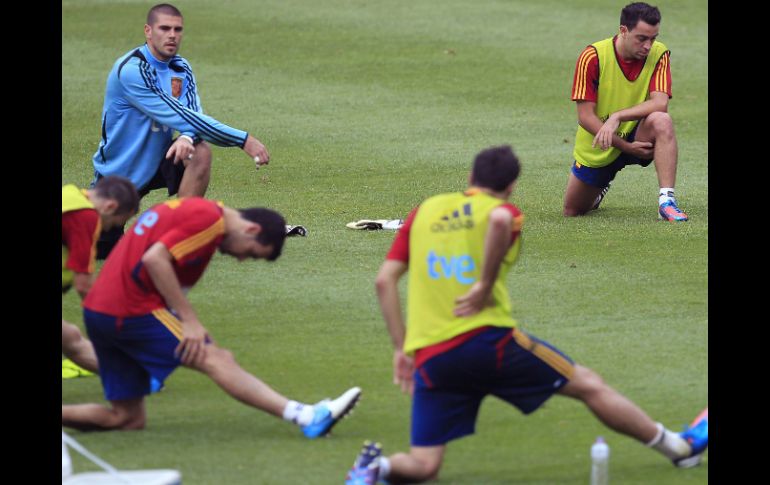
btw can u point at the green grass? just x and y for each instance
(367, 108)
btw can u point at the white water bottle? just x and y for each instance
(600, 462)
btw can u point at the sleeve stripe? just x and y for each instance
(213, 132)
(144, 70)
(192, 89)
(661, 79)
(204, 237)
(582, 73)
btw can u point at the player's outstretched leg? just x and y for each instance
(622, 415)
(314, 420)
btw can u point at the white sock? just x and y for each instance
(384, 468)
(665, 194)
(670, 444)
(298, 413)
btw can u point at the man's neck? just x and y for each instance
(502, 195)
(157, 56)
(619, 49)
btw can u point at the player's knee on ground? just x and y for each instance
(421, 467)
(572, 212)
(129, 417)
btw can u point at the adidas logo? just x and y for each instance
(455, 221)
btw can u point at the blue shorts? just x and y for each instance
(602, 176)
(135, 354)
(503, 362)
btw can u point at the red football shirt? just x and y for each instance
(190, 228)
(585, 84)
(79, 231)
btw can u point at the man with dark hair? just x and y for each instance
(85, 213)
(152, 92)
(143, 327)
(460, 342)
(621, 87)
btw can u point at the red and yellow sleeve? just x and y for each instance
(80, 232)
(661, 78)
(518, 220)
(585, 81)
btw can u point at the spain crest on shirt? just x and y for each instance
(176, 86)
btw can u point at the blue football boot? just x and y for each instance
(697, 435)
(329, 412)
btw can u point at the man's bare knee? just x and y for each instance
(134, 424)
(202, 157)
(128, 415)
(428, 463)
(216, 358)
(661, 122)
(584, 384)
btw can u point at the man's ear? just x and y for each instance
(108, 207)
(254, 228)
(147, 30)
(509, 189)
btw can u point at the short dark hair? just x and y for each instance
(121, 190)
(164, 8)
(634, 12)
(273, 228)
(495, 168)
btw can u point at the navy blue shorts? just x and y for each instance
(602, 176)
(135, 354)
(503, 362)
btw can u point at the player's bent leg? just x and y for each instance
(658, 128)
(612, 408)
(77, 348)
(220, 365)
(579, 197)
(421, 464)
(125, 414)
(197, 172)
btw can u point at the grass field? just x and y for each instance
(367, 108)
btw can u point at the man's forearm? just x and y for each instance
(496, 244)
(161, 272)
(390, 304)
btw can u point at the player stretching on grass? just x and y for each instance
(621, 87)
(460, 343)
(143, 327)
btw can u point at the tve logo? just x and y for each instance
(454, 267)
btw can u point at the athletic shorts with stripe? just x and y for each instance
(602, 176)
(136, 354)
(503, 362)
